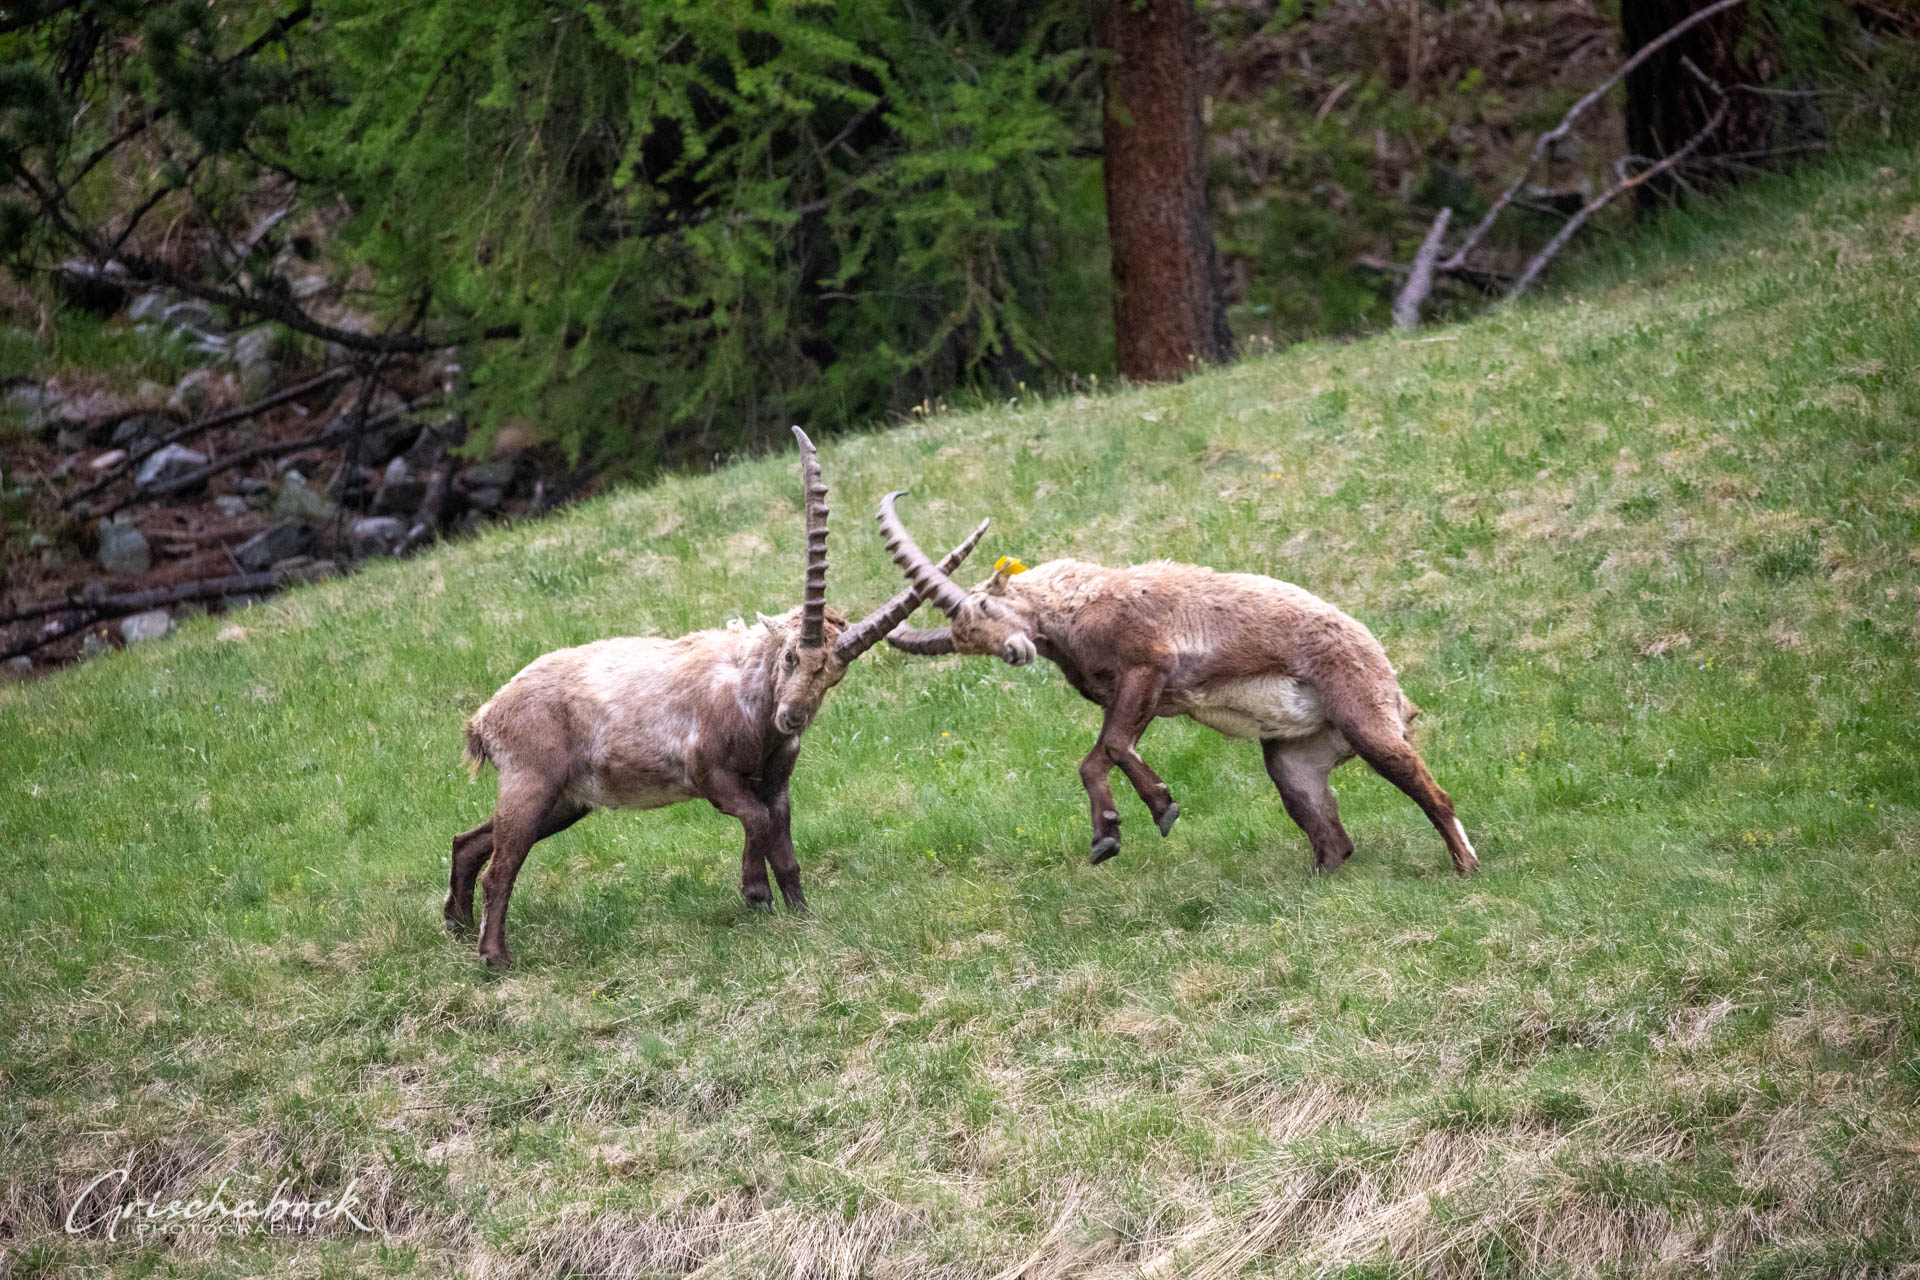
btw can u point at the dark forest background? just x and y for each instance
(641, 233)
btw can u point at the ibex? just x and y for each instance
(1245, 655)
(642, 722)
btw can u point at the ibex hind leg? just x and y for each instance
(471, 849)
(1378, 735)
(1299, 768)
(530, 810)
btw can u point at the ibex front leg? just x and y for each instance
(771, 788)
(767, 839)
(1128, 713)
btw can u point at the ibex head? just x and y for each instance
(985, 620)
(813, 661)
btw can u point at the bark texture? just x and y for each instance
(1666, 106)
(1168, 310)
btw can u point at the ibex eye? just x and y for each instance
(793, 659)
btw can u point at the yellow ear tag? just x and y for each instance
(1009, 565)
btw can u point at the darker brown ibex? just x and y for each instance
(1245, 655)
(641, 722)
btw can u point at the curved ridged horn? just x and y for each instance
(813, 600)
(866, 633)
(926, 577)
(926, 641)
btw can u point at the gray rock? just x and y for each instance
(141, 426)
(94, 411)
(377, 536)
(99, 289)
(402, 499)
(433, 441)
(21, 667)
(150, 625)
(253, 352)
(253, 484)
(191, 313)
(123, 549)
(300, 502)
(486, 499)
(111, 458)
(490, 475)
(284, 540)
(444, 370)
(34, 405)
(148, 306)
(306, 568)
(94, 645)
(351, 322)
(255, 345)
(194, 394)
(71, 438)
(397, 472)
(259, 379)
(230, 504)
(170, 463)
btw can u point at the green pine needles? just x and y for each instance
(710, 219)
(696, 222)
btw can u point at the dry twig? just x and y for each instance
(1546, 255)
(1548, 140)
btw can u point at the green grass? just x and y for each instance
(1646, 557)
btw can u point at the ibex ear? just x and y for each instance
(765, 621)
(1003, 568)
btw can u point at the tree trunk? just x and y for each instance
(1167, 308)
(1666, 106)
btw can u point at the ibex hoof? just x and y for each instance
(762, 901)
(1103, 848)
(1166, 820)
(498, 961)
(1328, 863)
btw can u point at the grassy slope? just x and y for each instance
(1645, 558)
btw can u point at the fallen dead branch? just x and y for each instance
(99, 608)
(224, 418)
(1625, 184)
(335, 433)
(1554, 136)
(1406, 307)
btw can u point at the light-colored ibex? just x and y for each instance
(1245, 655)
(641, 722)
